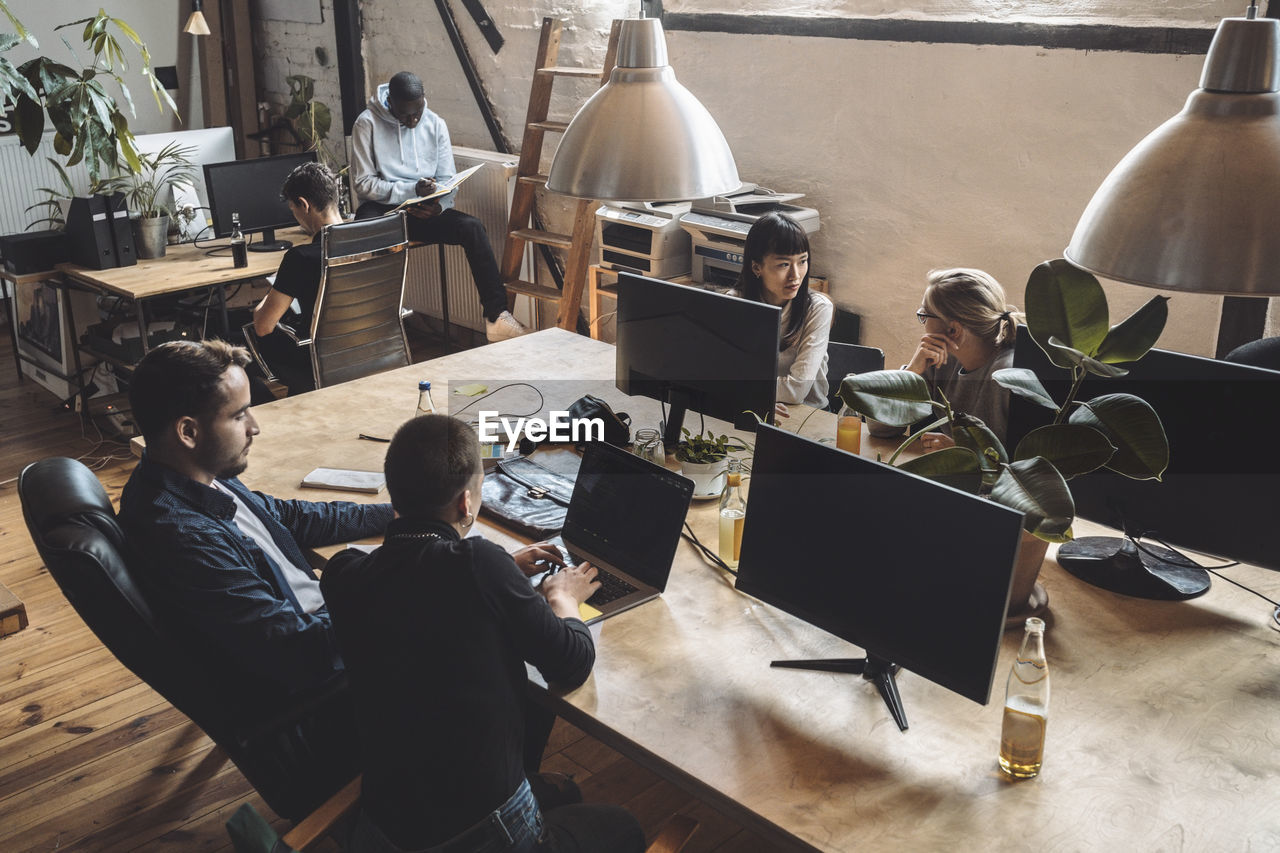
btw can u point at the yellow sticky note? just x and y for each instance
(475, 389)
(587, 612)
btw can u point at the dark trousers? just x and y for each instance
(289, 362)
(454, 228)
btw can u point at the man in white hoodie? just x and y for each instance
(400, 151)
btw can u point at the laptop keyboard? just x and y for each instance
(611, 588)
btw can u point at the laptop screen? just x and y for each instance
(628, 512)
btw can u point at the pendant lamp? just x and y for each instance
(1195, 206)
(196, 24)
(643, 136)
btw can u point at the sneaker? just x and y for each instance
(504, 327)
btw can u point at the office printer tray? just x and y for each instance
(527, 498)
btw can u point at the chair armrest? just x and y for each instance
(251, 344)
(289, 332)
(316, 825)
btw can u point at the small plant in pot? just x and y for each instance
(704, 459)
(150, 193)
(1067, 316)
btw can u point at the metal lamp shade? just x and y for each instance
(1196, 205)
(643, 136)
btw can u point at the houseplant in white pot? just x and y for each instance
(1067, 316)
(704, 458)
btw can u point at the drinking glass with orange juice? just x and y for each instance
(849, 430)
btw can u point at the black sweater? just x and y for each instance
(435, 631)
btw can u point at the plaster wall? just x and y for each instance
(917, 155)
(157, 25)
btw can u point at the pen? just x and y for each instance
(373, 438)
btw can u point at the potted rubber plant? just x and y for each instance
(704, 458)
(1068, 317)
(149, 192)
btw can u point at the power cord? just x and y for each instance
(1189, 563)
(692, 538)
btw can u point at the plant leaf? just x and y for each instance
(957, 467)
(1129, 422)
(972, 433)
(1036, 489)
(17, 25)
(894, 397)
(1074, 449)
(1065, 302)
(1133, 337)
(1025, 383)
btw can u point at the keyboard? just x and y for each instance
(611, 588)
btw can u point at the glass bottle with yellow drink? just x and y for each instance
(849, 430)
(733, 513)
(1026, 707)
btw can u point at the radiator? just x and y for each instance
(23, 174)
(486, 195)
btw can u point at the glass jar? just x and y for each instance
(648, 445)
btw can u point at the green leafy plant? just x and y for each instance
(309, 117)
(148, 189)
(1068, 317)
(88, 121)
(706, 447)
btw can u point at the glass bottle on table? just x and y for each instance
(239, 250)
(849, 430)
(426, 406)
(1026, 707)
(733, 515)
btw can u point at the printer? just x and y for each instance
(718, 228)
(643, 237)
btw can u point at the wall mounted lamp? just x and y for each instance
(196, 24)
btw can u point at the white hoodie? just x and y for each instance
(388, 158)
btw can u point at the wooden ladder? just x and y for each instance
(521, 228)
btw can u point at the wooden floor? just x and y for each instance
(91, 759)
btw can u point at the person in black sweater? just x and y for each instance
(435, 629)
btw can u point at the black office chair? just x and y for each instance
(843, 359)
(357, 328)
(276, 746)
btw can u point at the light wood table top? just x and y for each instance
(183, 267)
(1164, 723)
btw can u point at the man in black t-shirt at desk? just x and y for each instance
(311, 191)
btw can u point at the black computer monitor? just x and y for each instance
(696, 349)
(252, 189)
(914, 572)
(1220, 494)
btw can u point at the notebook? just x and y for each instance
(624, 518)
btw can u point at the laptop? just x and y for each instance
(624, 518)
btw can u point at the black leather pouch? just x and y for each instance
(527, 498)
(617, 425)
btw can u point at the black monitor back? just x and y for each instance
(1221, 492)
(252, 189)
(720, 350)
(912, 571)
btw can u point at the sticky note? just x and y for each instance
(587, 612)
(475, 389)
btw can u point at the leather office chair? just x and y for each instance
(843, 359)
(357, 328)
(275, 746)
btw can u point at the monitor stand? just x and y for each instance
(1118, 565)
(671, 436)
(269, 243)
(871, 668)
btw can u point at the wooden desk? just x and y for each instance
(1164, 725)
(184, 267)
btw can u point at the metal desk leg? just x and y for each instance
(83, 392)
(11, 289)
(444, 297)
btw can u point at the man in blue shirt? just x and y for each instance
(401, 150)
(221, 565)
